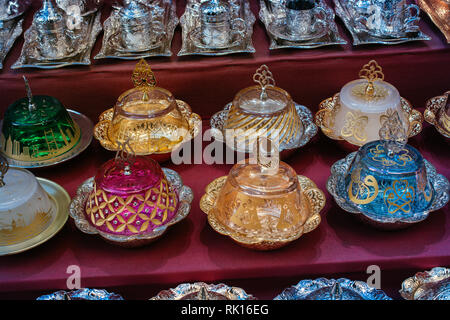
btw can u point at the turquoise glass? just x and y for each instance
(388, 186)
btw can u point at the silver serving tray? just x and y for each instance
(309, 127)
(360, 38)
(10, 30)
(190, 22)
(427, 285)
(112, 47)
(331, 289)
(336, 187)
(30, 56)
(331, 36)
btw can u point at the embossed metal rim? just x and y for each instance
(105, 119)
(432, 108)
(410, 289)
(82, 294)
(312, 222)
(415, 118)
(62, 200)
(86, 128)
(178, 293)
(77, 211)
(309, 127)
(337, 178)
(304, 288)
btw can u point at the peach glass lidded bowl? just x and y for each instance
(263, 204)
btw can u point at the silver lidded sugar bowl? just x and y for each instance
(218, 28)
(140, 29)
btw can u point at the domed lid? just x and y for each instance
(128, 174)
(214, 11)
(32, 110)
(391, 154)
(16, 185)
(134, 10)
(264, 174)
(265, 99)
(370, 94)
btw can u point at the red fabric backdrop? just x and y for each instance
(192, 251)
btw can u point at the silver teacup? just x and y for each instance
(389, 18)
(303, 16)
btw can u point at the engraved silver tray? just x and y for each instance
(270, 17)
(82, 294)
(10, 30)
(190, 23)
(113, 48)
(30, 56)
(427, 285)
(360, 38)
(336, 186)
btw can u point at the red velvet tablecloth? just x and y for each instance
(191, 250)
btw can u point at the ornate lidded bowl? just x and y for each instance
(387, 182)
(148, 117)
(263, 204)
(263, 110)
(203, 291)
(437, 113)
(428, 285)
(331, 289)
(37, 129)
(131, 201)
(357, 112)
(81, 294)
(32, 209)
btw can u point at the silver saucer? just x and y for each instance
(195, 37)
(309, 127)
(279, 39)
(279, 30)
(86, 128)
(336, 187)
(82, 294)
(363, 37)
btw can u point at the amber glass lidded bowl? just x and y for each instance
(437, 113)
(148, 117)
(263, 208)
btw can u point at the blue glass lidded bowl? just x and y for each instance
(387, 182)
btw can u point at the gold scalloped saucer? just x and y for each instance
(316, 202)
(101, 129)
(330, 105)
(433, 106)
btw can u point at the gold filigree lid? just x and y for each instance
(370, 93)
(148, 116)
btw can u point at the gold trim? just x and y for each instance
(433, 107)
(372, 72)
(143, 75)
(355, 126)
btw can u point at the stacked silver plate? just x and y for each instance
(274, 15)
(197, 41)
(353, 12)
(126, 38)
(62, 33)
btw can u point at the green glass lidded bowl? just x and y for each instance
(38, 129)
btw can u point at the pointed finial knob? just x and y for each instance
(264, 78)
(267, 155)
(125, 155)
(392, 132)
(31, 106)
(143, 75)
(372, 72)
